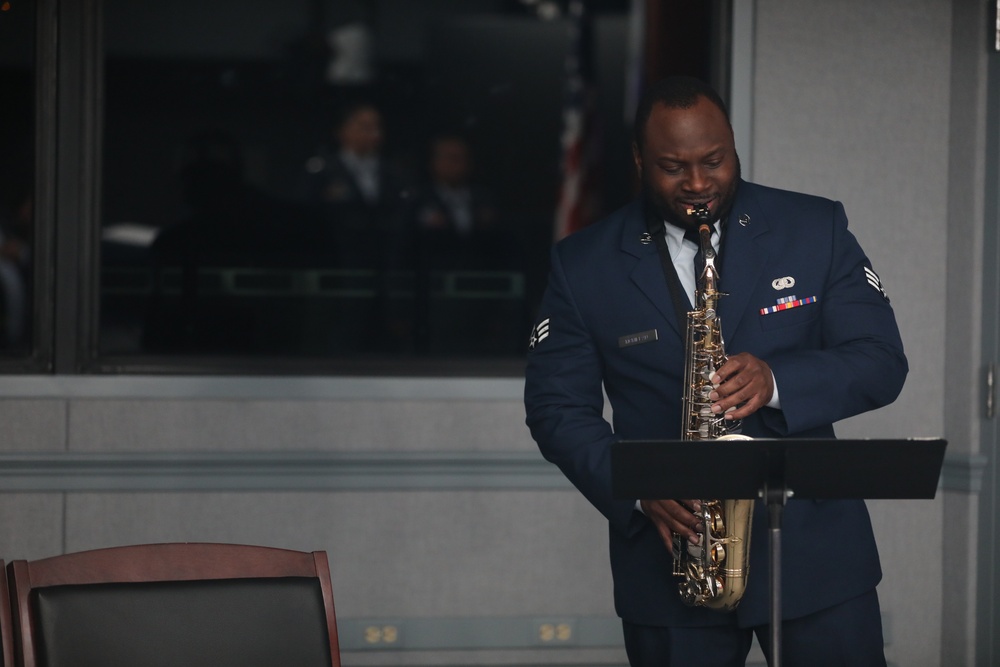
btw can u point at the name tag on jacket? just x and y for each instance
(638, 338)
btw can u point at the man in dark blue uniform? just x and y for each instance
(811, 339)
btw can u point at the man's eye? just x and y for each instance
(673, 170)
(714, 164)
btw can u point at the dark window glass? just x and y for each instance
(17, 170)
(344, 180)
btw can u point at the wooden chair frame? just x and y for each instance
(171, 562)
(6, 622)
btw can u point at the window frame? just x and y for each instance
(68, 101)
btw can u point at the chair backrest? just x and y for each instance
(6, 622)
(174, 605)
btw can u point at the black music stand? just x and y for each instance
(775, 470)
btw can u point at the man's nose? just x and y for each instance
(697, 180)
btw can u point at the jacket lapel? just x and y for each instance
(744, 256)
(647, 274)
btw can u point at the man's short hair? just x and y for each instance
(674, 92)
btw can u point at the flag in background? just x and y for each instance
(634, 59)
(580, 189)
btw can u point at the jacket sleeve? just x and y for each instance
(859, 365)
(564, 399)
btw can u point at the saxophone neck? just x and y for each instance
(706, 283)
(705, 237)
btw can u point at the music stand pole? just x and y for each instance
(775, 498)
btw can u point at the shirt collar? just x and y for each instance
(675, 238)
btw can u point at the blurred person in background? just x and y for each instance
(16, 237)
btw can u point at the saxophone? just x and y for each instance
(715, 570)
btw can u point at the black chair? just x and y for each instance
(176, 605)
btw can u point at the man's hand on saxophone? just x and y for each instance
(743, 385)
(674, 516)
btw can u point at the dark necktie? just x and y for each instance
(699, 257)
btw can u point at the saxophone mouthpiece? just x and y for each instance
(699, 211)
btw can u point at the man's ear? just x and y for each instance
(637, 158)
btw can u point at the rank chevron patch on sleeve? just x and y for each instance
(539, 333)
(875, 282)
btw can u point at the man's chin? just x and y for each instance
(682, 220)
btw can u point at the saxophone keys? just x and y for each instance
(714, 587)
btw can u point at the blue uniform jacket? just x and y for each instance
(833, 358)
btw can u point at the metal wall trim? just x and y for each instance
(73, 472)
